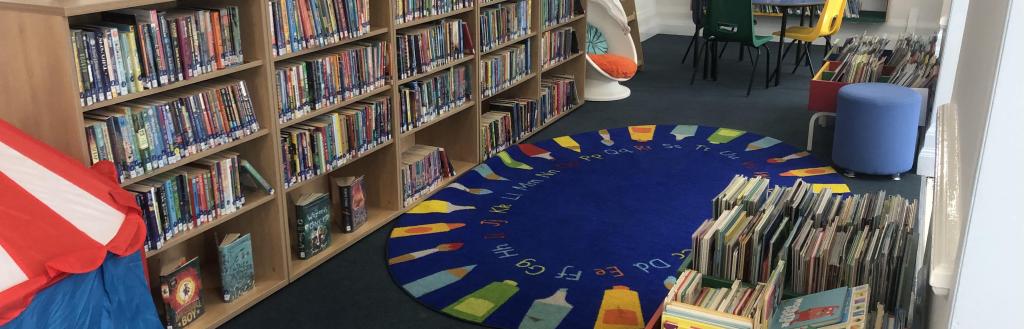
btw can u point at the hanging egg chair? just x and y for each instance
(611, 56)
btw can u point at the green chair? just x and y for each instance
(733, 21)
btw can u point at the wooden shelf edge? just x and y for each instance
(173, 86)
(505, 44)
(469, 103)
(333, 107)
(300, 267)
(548, 67)
(197, 156)
(350, 161)
(443, 67)
(510, 86)
(489, 3)
(372, 33)
(250, 204)
(570, 21)
(422, 20)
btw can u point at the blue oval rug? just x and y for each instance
(580, 231)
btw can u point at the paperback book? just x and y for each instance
(181, 290)
(237, 274)
(349, 200)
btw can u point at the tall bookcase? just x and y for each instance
(39, 94)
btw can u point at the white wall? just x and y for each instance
(647, 18)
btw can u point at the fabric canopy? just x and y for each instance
(57, 217)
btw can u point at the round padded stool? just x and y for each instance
(876, 128)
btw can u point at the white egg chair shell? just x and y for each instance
(609, 17)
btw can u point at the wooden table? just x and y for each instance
(784, 5)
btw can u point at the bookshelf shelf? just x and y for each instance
(173, 86)
(44, 50)
(253, 201)
(335, 107)
(367, 35)
(197, 156)
(551, 66)
(546, 124)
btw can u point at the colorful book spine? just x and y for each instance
(424, 48)
(554, 12)
(501, 69)
(303, 24)
(408, 11)
(306, 85)
(503, 22)
(558, 45)
(496, 132)
(422, 169)
(558, 94)
(423, 100)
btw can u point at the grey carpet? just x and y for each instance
(354, 290)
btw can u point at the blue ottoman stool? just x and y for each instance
(876, 129)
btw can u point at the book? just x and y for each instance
(309, 83)
(558, 45)
(304, 24)
(237, 275)
(422, 169)
(503, 68)
(313, 223)
(253, 179)
(181, 290)
(503, 22)
(408, 11)
(554, 12)
(495, 132)
(349, 200)
(812, 311)
(427, 98)
(423, 48)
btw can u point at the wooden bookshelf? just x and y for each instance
(39, 94)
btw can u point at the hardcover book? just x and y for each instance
(253, 179)
(349, 202)
(812, 311)
(313, 223)
(236, 269)
(181, 289)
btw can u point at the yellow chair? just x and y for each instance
(829, 22)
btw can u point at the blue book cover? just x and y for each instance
(811, 311)
(236, 270)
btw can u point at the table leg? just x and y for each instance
(782, 42)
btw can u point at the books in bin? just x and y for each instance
(237, 275)
(349, 200)
(313, 223)
(181, 289)
(691, 304)
(832, 309)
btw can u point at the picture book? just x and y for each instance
(349, 200)
(236, 268)
(181, 289)
(312, 223)
(812, 311)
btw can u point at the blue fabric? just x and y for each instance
(619, 214)
(876, 128)
(113, 296)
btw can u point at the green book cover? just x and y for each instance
(313, 217)
(236, 270)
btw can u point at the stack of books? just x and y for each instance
(131, 50)
(323, 80)
(187, 197)
(558, 94)
(503, 68)
(425, 48)
(327, 142)
(423, 167)
(908, 60)
(526, 115)
(554, 12)
(826, 240)
(691, 304)
(503, 22)
(144, 135)
(496, 132)
(423, 100)
(558, 45)
(302, 24)
(410, 10)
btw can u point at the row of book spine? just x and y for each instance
(510, 120)
(410, 10)
(422, 169)
(503, 22)
(313, 83)
(189, 196)
(495, 132)
(422, 49)
(503, 68)
(131, 50)
(144, 135)
(302, 24)
(553, 12)
(329, 141)
(558, 94)
(558, 45)
(423, 100)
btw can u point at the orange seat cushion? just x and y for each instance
(614, 65)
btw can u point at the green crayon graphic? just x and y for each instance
(724, 135)
(547, 313)
(512, 163)
(684, 131)
(477, 306)
(435, 281)
(485, 171)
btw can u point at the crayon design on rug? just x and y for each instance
(724, 135)
(806, 172)
(606, 138)
(620, 309)
(484, 170)
(477, 191)
(535, 151)
(425, 252)
(425, 285)
(547, 313)
(796, 155)
(569, 143)
(684, 131)
(512, 163)
(763, 143)
(836, 188)
(477, 306)
(404, 231)
(437, 206)
(642, 133)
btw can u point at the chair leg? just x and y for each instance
(799, 57)
(722, 51)
(810, 126)
(697, 58)
(740, 58)
(767, 65)
(790, 45)
(701, 43)
(686, 53)
(714, 59)
(807, 58)
(828, 45)
(753, 71)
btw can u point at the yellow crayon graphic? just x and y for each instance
(512, 163)
(796, 155)
(620, 309)
(836, 188)
(606, 138)
(809, 172)
(569, 143)
(437, 206)
(724, 135)
(642, 133)
(405, 231)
